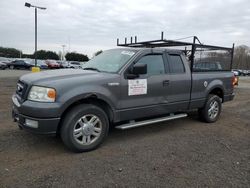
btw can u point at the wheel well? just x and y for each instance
(218, 92)
(89, 100)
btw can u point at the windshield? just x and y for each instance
(110, 60)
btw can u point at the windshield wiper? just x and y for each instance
(91, 68)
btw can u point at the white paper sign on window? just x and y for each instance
(137, 87)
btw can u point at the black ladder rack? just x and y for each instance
(194, 46)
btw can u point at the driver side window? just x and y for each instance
(155, 64)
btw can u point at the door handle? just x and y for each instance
(165, 82)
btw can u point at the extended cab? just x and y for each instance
(124, 88)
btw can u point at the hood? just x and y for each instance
(55, 75)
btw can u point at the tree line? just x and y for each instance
(242, 57)
(10, 52)
(41, 54)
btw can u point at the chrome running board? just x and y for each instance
(151, 121)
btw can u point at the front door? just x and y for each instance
(141, 96)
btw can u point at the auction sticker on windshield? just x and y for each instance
(127, 53)
(137, 87)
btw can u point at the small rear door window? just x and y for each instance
(176, 64)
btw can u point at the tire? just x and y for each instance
(88, 135)
(210, 113)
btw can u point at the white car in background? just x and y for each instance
(74, 65)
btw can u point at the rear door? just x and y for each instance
(178, 93)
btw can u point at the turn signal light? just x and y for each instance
(52, 94)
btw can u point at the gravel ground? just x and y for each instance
(12, 73)
(179, 153)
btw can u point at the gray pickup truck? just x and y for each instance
(122, 88)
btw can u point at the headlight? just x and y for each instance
(42, 94)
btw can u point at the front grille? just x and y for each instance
(21, 89)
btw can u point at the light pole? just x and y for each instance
(36, 7)
(63, 46)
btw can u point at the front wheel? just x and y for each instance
(84, 128)
(211, 111)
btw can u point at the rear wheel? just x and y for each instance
(211, 111)
(84, 128)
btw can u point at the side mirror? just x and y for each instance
(138, 69)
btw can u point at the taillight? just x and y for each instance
(234, 80)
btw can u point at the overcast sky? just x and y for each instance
(86, 26)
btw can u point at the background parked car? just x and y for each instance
(60, 63)
(240, 72)
(245, 72)
(6, 62)
(75, 65)
(40, 63)
(3, 66)
(52, 64)
(19, 64)
(63, 64)
(236, 72)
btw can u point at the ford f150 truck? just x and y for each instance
(123, 88)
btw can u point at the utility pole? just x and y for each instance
(69, 43)
(63, 46)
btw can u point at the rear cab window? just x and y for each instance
(176, 65)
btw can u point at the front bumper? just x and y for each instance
(42, 125)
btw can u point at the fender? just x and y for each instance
(80, 93)
(213, 85)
